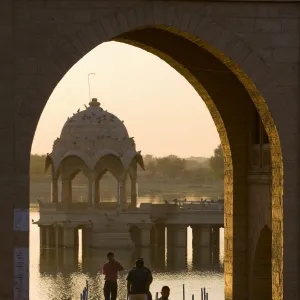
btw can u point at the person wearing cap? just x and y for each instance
(138, 281)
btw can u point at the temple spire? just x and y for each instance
(90, 97)
(93, 102)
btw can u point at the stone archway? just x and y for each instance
(156, 27)
(262, 268)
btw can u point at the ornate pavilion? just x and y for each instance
(94, 141)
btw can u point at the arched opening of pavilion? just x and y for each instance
(108, 187)
(80, 187)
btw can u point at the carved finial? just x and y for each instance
(94, 103)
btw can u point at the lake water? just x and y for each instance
(61, 274)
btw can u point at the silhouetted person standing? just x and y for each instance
(110, 271)
(138, 281)
(149, 295)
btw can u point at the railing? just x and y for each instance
(144, 207)
(85, 292)
(203, 207)
(204, 294)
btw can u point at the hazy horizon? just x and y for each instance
(159, 107)
(185, 157)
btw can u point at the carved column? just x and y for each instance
(97, 191)
(170, 236)
(145, 234)
(160, 235)
(180, 235)
(202, 235)
(59, 191)
(54, 191)
(215, 244)
(91, 191)
(122, 193)
(50, 236)
(42, 236)
(66, 192)
(69, 237)
(58, 236)
(87, 237)
(133, 193)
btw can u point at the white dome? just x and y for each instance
(90, 135)
(93, 123)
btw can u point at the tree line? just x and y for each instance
(171, 168)
(189, 169)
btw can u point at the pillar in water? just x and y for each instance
(145, 234)
(202, 252)
(58, 236)
(180, 235)
(49, 236)
(160, 235)
(42, 236)
(215, 244)
(69, 235)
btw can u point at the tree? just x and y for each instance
(151, 167)
(171, 166)
(37, 164)
(148, 159)
(216, 162)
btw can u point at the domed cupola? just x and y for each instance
(98, 139)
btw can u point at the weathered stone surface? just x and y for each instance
(262, 38)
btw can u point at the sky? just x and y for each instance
(160, 109)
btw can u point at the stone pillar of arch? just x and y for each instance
(122, 192)
(59, 190)
(97, 191)
(133, 180)
(92, 193)
(133, 193)
(66, 189)
(54, 190)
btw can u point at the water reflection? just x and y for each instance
(62, 268)
(60, 274)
